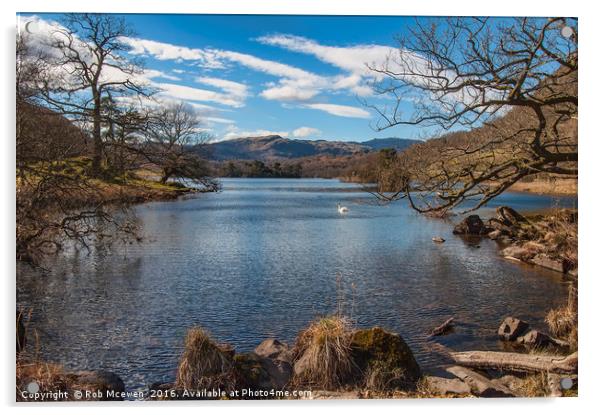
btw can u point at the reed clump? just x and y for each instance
(204, 363)
(322, 353)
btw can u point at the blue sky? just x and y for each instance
(299, 76)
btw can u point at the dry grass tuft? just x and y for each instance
(204, 363)
(531, 386)
(562, 321)
(323, 350)
(49, 377)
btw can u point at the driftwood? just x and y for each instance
(517, 361)
(443, 328)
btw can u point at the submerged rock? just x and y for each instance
(511, 328)
(534, 338)
(386, 356)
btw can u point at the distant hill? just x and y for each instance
(275, 147)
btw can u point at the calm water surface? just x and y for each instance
(261, 259)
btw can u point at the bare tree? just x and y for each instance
(175, 139)
(89, 62)
(503, 90)
(56, 202)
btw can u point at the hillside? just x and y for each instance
(275, 147)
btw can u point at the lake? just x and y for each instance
(265, 257)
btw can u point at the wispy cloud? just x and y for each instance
(340, 110)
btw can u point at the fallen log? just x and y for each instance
(479, 384)
(517, 361)
(443, 328)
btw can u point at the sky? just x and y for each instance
(300, 77)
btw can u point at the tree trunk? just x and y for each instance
(96, 137)
(517, 361)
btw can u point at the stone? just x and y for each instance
(517, 252)
(534, 338)
(509, 216)
(545, 261)
(377, 349)
(262, 373)
(273, 349)
(471, 225)
(511, 328)
(438, 239)
(445, 386)
(480, 385)
(98, 383)
(494, 235)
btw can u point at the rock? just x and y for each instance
(438, 239)
(20, 332)
(509, 216)
(376, 349)
(511, 328)
(517, 252)
(479, 384)
(102, 385)
(494, 234)
(445, 386)
(534, 338)
(574, 273)
(545, 261)
(273, 349)
(261, 373)
(471, 225)
(497, 225)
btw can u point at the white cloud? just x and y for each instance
(340, 110)
(187, 93)
(166, 51)
(306, 131)
(353, 58)
(234, 132)
(235, 89)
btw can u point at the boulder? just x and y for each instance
(98, 383)
(445, 386)
(260, 373)
(498, 225)
(511, 328)
(273, 349)
(471, 225)
(534, 338)
(376, 350)
(479, 384)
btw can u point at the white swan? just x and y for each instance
(342, 209)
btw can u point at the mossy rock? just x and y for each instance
(256, 372)
(384, 359)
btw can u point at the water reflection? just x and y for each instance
(261, 259)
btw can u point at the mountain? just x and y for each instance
(275, 147)
(391, 142)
